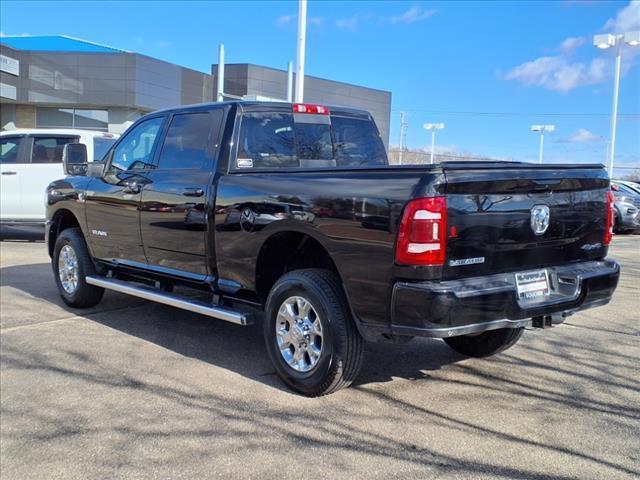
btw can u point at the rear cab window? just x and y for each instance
(272, 140)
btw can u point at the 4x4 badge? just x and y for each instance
(540, 216)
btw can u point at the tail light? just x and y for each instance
(422, 238)
(608, 235)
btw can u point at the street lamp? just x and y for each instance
(300, 55)
(433, 127)
(607, 41)
(542, 129)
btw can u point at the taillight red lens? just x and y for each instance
(422, 238)
(608, 235)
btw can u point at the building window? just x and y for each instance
(51, 117)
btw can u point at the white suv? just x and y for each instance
(30, 160)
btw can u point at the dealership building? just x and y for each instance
(63, 82)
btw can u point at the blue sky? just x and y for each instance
(488, 70)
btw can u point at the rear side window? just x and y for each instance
(266, 141)
(9, 149)
(357, 142)
(49, 149)
(186, 144)
(279, 140)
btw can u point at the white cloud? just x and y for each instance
(626, 19)
(163, 44)
(584, 135)
(558, 73)
(317, 21)
(350, 23)
(285, 19)
(414, 14)
(571, 44)
(561, 73)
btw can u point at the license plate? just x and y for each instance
(532, 285)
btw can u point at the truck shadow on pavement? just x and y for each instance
(216, 416)
(240, 349)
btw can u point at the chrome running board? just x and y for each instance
(165, 298)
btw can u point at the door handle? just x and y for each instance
(9, 173)
(193, 192)
(133, 187)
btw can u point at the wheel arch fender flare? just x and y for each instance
(302, 234)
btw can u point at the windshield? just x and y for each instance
(101, 146)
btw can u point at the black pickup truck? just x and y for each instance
(291, 214)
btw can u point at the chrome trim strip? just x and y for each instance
(171, 300)
(442, 332)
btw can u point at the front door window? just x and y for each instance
(134, 151)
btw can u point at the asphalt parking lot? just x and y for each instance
(137, 390)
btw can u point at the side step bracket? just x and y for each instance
(153, 295)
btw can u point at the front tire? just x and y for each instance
(71, 263)
(310, 334)
(487, 343)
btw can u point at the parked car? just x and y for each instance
(30, 160)
(635, 186)
(626, 207)
(469, 252)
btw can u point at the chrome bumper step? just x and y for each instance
(154, 295)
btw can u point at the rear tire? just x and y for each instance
(71, 263)
(487, 343)
(309, 332)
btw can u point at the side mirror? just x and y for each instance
(74, 159)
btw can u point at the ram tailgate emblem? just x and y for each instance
(540, 216)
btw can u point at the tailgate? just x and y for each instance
(516, 216)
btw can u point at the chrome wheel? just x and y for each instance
(68, 269)
(299, 333)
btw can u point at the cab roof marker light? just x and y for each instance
(310, 108)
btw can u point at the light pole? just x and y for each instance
(220, 74)
(403, 126)
(302, 39)
(433, 127)
(542, 129)
(607, 41)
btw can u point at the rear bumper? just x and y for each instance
(471, 305)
